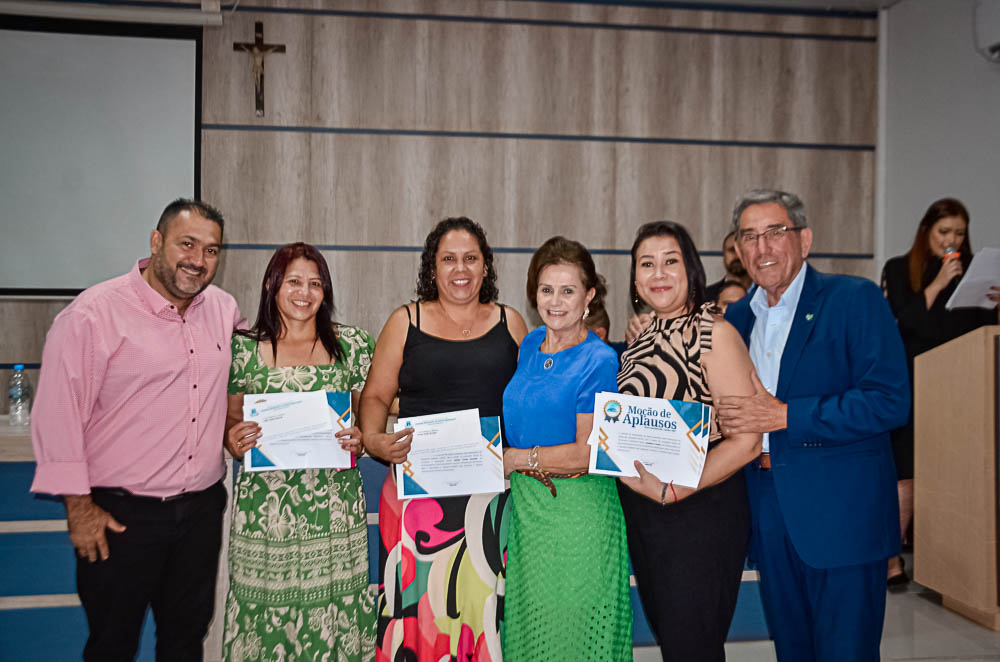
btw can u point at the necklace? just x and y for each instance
(466, 330)
(550, 361)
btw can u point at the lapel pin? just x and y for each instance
(809, 317)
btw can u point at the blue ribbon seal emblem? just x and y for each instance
(612, 410)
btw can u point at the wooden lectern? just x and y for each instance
(956, 480)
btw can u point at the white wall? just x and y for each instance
(941, 132)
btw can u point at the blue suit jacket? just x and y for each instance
(843, 375)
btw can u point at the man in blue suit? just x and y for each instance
(832, 383)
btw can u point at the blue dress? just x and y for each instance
(573, 544)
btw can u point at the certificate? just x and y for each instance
(669, 437)
(975, 284)
(297, 430)
(452, 454)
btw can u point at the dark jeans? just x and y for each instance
(167, 557)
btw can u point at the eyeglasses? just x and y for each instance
(773, 232)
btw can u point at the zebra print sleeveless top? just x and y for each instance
(665, 361)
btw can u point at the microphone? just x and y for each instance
(951, 253)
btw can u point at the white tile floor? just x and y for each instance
(917, 628)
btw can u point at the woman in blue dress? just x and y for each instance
(567, 593)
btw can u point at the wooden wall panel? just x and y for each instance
(624, 74)
(261, 183)
(25, 323)
(369, 285)
(364, 190)
(788, 19)
(487, 77)
(227, 75)
(333, 163)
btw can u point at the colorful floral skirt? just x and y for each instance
(298, 569)
(441, 590)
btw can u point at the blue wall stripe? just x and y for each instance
(642, 634)
(843, 256)
(565, 137)
(724, 7)
(373, 474)
(18, 503)
(535, 22)
(57, 634)
(373, 544)
(44, 565)
(377, 248)
(749, 623)
(37, 564)
(650, 4)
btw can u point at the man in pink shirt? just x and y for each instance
(128, 427)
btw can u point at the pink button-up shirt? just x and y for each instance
(131, 394)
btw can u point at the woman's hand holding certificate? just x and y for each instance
(669, 437)
(297, 430)
(452, 454)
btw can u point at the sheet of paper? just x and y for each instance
(983, 272)
(307, 447)
(455, 453)
(669, 437)
(287, 415)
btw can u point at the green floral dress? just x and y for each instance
(298, 547)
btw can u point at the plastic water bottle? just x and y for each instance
(19, 397)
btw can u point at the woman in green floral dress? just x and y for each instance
(298, 551)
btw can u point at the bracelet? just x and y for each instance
(533, 459)
(663, 493)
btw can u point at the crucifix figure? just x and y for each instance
(258, 50)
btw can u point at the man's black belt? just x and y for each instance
(123, 493)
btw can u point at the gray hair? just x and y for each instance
(789, 202)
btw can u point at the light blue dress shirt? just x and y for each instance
(770, 331)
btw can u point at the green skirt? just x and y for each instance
(298, 569)
(567, 592)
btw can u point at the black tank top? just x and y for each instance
(439, 375)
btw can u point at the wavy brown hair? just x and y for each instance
(919, 258)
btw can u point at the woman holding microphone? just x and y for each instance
(917, 285)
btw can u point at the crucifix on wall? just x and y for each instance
(258, 50)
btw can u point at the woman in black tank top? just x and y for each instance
(441, 561)
(440, 375)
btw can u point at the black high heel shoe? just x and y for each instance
(897, 583)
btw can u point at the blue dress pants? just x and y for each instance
(815, 614)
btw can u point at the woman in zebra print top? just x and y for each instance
(687, 557)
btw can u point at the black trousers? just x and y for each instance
(688, 563)
(167, 558)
